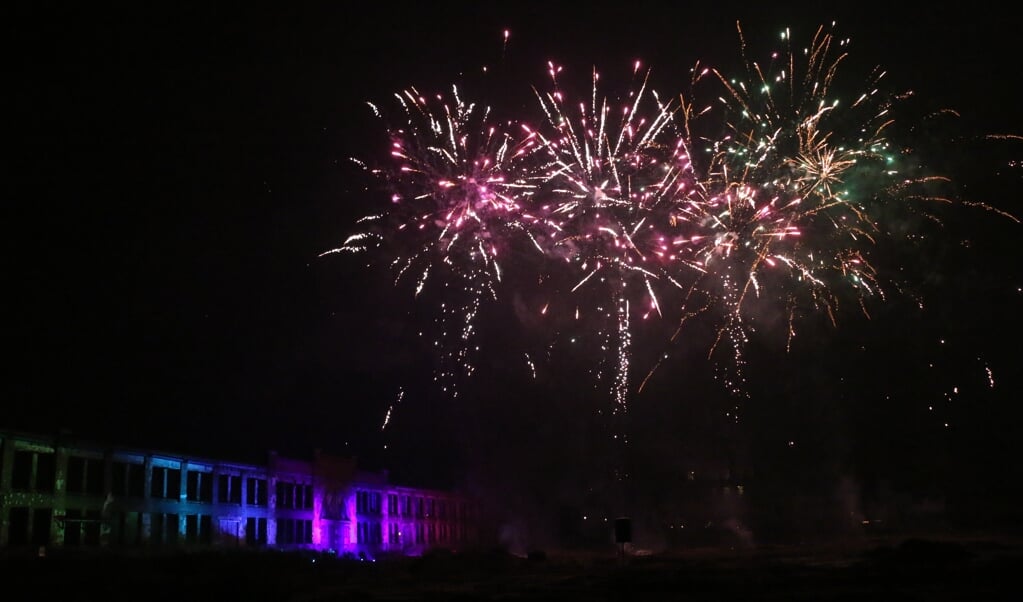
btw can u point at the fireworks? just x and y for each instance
(769, 197)
(775, 213)
(457, 195)
(608, 184)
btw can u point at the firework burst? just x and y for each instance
(457, 183)
(744, 201)
(792, 184)
(607, 180)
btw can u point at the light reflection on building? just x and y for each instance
(63, 493)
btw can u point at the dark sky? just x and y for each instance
(178, 171)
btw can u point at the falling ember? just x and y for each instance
(390, 409)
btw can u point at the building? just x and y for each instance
(56, 493)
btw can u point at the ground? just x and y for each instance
(911, 568)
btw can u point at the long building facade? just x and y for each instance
(57, 493)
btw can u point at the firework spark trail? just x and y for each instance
(610, 182)
(782, 172)
(390, 409)
(777, 212)
(457, 186)
(769, 197)
(783, 206)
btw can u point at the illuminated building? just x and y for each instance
(58, 493)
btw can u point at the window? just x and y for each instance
(255, 531)
(46, 472)
(173, 483)
(256, 494)
(90, 528)
(285, 531)
(41, 518)
(334, 506)
(21, 475)
(198, 528)
(191, 528)
(294, 531)
(84, 475)
(127, 528)
(163, 528)
(81, 527)
(369, 533)
(72, 528)
(18, 534)
(29, 526)
(200, 486)
(166, 483)
(392, 503)
(33, 471)
(394, 534)
(229, 489)
(127, 480)
(158, 482)
(367, 502)
(286, 495)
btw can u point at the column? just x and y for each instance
(108, 515)
(182, 497)
(147, 510)
(59, 499)
(6, 466)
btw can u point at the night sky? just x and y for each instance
(178, 172)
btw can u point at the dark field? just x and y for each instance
(980, 568)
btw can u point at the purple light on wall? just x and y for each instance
(319, 541)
